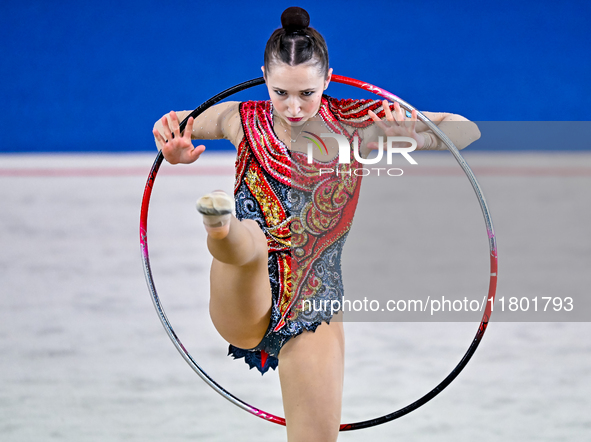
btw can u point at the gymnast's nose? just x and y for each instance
(294, 106)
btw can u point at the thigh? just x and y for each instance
(311, 369)
(240, 296)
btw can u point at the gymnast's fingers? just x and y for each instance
(378, 121)
(166, 128)
(413, 119)
(387, 111)
(174, 122)
(159, 139)
(196, 153)
(189, 129)
(373, 116)
(398, 112)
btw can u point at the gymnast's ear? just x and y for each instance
(263, 69)
(328, 78)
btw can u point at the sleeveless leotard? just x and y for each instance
(304, 214)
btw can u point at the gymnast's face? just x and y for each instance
(296, 91)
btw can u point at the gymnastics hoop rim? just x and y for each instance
(263, 414)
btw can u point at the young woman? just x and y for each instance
(281, 252)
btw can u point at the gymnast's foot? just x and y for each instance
(216, 208)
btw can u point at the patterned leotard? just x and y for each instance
(304, 214)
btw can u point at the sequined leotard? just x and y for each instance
(305, 216)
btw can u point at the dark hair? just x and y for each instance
(296, 43)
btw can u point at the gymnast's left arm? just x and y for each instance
(460, 130)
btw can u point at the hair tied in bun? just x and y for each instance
(295, 19)
(296, 42)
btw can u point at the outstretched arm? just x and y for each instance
(460, 130)
(217, 122)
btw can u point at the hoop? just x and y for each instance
(263, 414)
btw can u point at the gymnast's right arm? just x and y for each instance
(219, 121)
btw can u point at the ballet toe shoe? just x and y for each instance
(216, 208)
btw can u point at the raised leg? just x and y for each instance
(240, 292)
(311, 365)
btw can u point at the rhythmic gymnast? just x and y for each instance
(281, 251)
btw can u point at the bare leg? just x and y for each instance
(311, 368)
(240, 300)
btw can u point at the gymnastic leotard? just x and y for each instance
(305, 216)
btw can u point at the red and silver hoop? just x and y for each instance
(263, 414)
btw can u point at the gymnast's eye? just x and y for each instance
(280, 92)
(307, 93)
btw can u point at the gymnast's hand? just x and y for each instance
(396, 124)
(176, 148)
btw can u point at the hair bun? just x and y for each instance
(295, 19)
